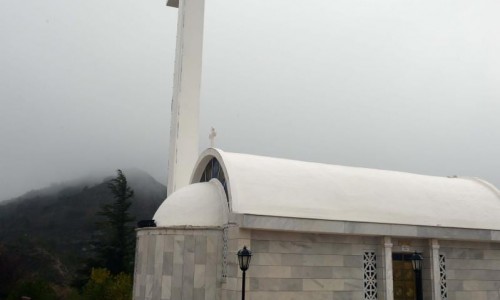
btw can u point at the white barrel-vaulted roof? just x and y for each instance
(279, 187)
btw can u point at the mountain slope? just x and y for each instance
(49, 230)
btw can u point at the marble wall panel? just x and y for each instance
(199, 294)
(199, 276)
(166, 290)
(358, 295)
(473, 274)
(230, 295)
(200, 249)
(354, 261)
(275, 284)
(260, 246)
(365, 228)
(461, 295)
(472, 269)
(495, 235)
(309, 248)
(318, 260)
(151, 248)
(304, 295)
(271, 271)
(233, 270)
(463, 253)
(293, 265)
(454, 233)
(181, 264)
(317, 284)
(403, 230)
(470, 264)
(168, 263)
(266, 259)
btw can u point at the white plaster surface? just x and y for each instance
(186, 93)
(280, 187)
(388, 276)
(200, 204)
(434, 264)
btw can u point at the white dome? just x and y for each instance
(200, 204)
(280, 187)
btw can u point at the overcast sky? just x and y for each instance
(85, 86)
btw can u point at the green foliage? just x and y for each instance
(116, 243)
(120, 287)
(10, 271)
(36, 290)
(98, 282)
(47, 234)
(103, 285)
(73, 294)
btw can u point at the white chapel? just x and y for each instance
(316, 231)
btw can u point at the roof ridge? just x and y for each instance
(484, 183)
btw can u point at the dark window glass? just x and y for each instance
(214, 170)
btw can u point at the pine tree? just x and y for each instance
(116, 246)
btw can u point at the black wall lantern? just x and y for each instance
(416, 261)
(244, 256)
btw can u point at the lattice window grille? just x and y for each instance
(442, 277)
(370, 275)
(224, 251)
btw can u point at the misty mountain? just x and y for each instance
(50, 229)
(55, 188)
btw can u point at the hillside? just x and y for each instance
(47, 233)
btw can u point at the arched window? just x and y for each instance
(214, 170)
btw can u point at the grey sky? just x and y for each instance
(85, 86)
(393, 84)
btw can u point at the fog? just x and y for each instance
(392, 84)
(85, 86)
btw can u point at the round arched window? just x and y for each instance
(214, 170)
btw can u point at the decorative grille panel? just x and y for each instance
(224, 252)
(370, 275)
(442, 277)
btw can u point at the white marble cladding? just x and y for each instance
(472, 270)
(186, 264)
(292, 265)
(178, 263)
(359, 228)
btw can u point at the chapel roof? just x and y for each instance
(287, 188)
(198, 204)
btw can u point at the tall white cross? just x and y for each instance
(212, 136)
(183, 152)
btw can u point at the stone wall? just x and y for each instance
(288, 265)
(188, 264)
(472, 270)
(175, 263)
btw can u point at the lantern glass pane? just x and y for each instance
(240, 261)
(245, 262)
(416, 261)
